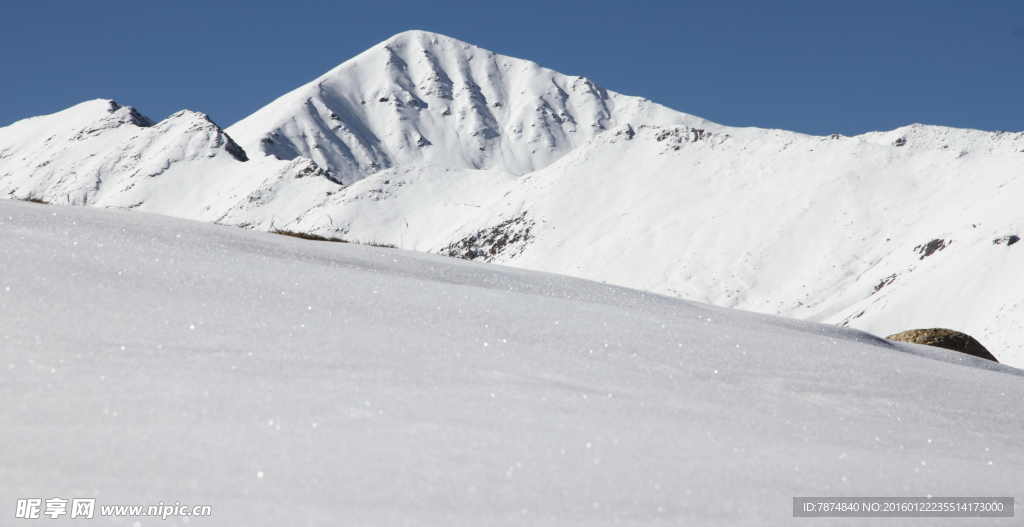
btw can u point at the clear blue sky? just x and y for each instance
(816, 67)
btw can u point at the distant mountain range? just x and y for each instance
(428, 143)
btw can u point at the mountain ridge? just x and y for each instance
(423, 98)
(440, 146)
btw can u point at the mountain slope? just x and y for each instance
(428, 143)
(836, 230)
(421, 98)
(831, 229)
(280, 381)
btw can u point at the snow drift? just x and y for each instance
(281, 381)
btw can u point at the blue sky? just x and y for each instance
(813, 67)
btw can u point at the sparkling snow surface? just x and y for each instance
(292, 382)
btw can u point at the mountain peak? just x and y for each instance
(422, 37)
(392, 105)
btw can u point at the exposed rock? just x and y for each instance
(508, 238)
(885, 281)
(1008, 240)
(929, 248)
(945, 338)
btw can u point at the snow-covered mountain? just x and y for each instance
(148, 359)
(425, 99)
(428, 143)
(97, 151)
(842, 230)
(102, 154)
(838, 230)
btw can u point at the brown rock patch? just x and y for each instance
(945, 338)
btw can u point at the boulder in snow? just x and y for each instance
(945, 338)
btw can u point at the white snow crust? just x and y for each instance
(428, 143)
(292, 382)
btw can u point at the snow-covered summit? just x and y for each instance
(423, 98)
(99, 151)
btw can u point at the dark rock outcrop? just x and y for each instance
(945, 338)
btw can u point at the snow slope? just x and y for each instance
(281, 381)
(956, 140)
(429, 143)
(830, 229)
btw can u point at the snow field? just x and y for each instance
(285, 381)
